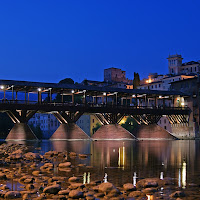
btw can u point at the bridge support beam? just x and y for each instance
(68, 130)
(110, 129)
(21, 130)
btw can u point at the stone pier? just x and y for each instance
(69, 131)
(112, 132)
(21, 131)
(152, 131)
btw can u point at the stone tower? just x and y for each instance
(174, 64)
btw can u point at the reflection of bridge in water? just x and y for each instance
(109, 105)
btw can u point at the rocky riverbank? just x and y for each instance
(27, 175)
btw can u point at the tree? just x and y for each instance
(67, 81)
(136, 80)
(97, 126)
(130, 124)
(6, 125)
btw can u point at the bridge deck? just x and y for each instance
(92, 108)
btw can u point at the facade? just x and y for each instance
(175, 65)
(49, 124)
(115, 75)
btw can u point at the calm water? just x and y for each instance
(121, 160)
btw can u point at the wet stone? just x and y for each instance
(75, 194)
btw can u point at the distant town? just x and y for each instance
(181, 76)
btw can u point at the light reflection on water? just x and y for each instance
(129, 161)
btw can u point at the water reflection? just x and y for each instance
(128, 161)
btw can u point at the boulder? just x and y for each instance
(53, 189)
(75, 194)
(12, 195)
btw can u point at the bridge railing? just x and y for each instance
(89, 105)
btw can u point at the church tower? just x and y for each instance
(174, 64)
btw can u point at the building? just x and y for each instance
(115, 75)
(175, 65)
(47, 123)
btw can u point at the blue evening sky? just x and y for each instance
(49, 40)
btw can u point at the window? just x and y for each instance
(155, 86)
(191, 69)
(159, 85)
(92, 120)
(165, 121)
(165, 127)
(195, 69)
(152, 86)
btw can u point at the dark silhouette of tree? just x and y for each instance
(67, 81)
(85, 82)
(136, 80)
(6, 125)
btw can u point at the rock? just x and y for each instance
(82, 156)
(149, 182)
(106, 187)
(31, 156)
(137, 194)
(74, 186)
(3, 176)
(149, 190)
(64, 192)
(99, 195)
(65, 164)
(37, 173)
(30, 187)
(4, 187)
(12, 195)
(178, 194)
(72, 154)
(75, 194)
(73, 179)
(129, 187)
(53, 189)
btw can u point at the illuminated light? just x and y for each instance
(72, 91)
(179, 178)
(147, 81)
(161, 175)
(134, 179)
(119, 163)
(2, 87)
(39, 89)
(104, 94)
(105, 179)
(84, 178)
(84, 90)
(184, 175)
(133, 95)
(88, 178)
(160, 97)
(182, 104)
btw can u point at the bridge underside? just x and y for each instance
(21, 130)
(110, 128)
(68, 130)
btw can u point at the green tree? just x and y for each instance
(136, 80)
(97, 126)
(130, 124)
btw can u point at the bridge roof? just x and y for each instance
(58, 88)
